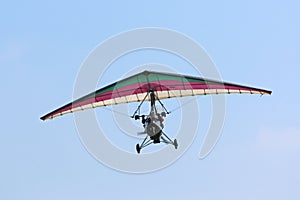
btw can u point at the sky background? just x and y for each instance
(42, 45)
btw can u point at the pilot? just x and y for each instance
(146, 121)
(160, 119)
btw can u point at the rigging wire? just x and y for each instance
(144, 111)
(115, 111)
(118, 112)
(183, 104)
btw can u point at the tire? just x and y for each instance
(175, 144)
(138, 148)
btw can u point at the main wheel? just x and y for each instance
(138, 148)
(175, 144)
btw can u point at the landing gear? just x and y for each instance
(167, 140)
(161, 137)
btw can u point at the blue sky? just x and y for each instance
(256, 43)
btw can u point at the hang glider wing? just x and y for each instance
(165, 85)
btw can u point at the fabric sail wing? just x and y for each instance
(165, 85)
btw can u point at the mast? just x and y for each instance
(152, 101)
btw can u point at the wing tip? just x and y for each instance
(43, 118)
(269, 92)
